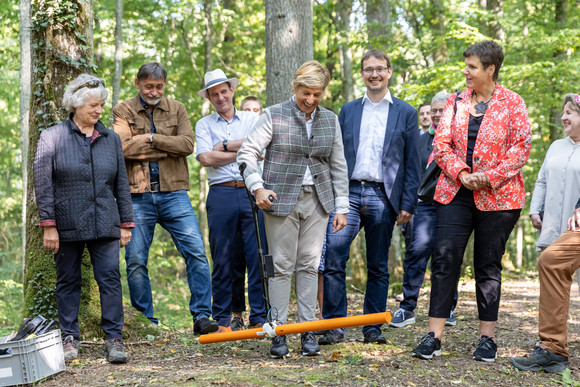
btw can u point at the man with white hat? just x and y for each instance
(157, 137)
(231, 232)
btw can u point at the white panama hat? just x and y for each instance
(214, 78)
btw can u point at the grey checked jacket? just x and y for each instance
(282, 131)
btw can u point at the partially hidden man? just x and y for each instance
(157, 137)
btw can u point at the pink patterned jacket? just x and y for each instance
(501, 150)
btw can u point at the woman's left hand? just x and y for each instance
(338, 222)
(125, 236)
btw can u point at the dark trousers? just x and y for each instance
(105, 260)
(419, 241)
(232, 237)
(455, 223)
(239, 283)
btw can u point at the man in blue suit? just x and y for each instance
(380, 135)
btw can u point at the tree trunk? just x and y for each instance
(379, 24)
(289, 44)
(342, 23)
(118, 51)
(62, 49)
(494, 28)
(437, 23)
(208, 38)
(25, 92)
(520, 242)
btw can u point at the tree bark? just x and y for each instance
(289, 44)
(437, 23)
(494, 28)
(379, 24)
(118, 51)
(25, 93)
(342, 23)
(208, 38)
(62, 49)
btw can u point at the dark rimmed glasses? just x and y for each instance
(91, 84)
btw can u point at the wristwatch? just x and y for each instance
(151, 139)
(225, 144)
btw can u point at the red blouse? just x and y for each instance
(501, 150)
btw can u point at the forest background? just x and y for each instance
(425, 40)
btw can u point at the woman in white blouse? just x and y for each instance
(557, 189)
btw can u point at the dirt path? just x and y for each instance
(175, 359)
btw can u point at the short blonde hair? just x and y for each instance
(311, 74)
(76, 93)
(574, 100)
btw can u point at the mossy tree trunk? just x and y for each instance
(61, 49)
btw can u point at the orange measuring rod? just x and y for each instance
(309, 326)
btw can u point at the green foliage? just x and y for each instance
(10, 305)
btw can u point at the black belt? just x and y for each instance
(155, 186)
(366, 182)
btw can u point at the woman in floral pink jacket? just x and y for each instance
(481, 145)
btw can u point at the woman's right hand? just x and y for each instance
(51, 239)
(263, 198)
(536, 221)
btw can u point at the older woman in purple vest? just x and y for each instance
(305, 172)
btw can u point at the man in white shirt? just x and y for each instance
(231, 231)
(380, 135)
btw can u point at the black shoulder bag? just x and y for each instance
(431, 176)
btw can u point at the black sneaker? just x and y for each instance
(237, 324)
(375, 337)
(331, 336)
(205, 325)
(278, 348)
(486, 349)
(541, 360)
(428, 347)
(309, 345)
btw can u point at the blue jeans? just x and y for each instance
(369, 208)
(173, 211)
(232, 237)
(418, 252)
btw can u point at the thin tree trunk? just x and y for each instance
(25, 93)
(118, 51)
(379, 23)
(203, 183)
(289, 44)
(520, 243)
(495, 29)
(342, 22)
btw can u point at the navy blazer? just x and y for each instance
(400, 151)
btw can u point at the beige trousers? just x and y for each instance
(295, 242)
(556, 266)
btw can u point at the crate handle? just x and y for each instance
(5, 353)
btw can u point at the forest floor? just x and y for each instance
(174, 358)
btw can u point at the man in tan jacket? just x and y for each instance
(157, 137)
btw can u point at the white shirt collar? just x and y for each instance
(218, 116)
(388, 98)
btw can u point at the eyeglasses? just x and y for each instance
(91, 84)
(379, 70)
(436, 111)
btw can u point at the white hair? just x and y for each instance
(75, 96)
(441, 96)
